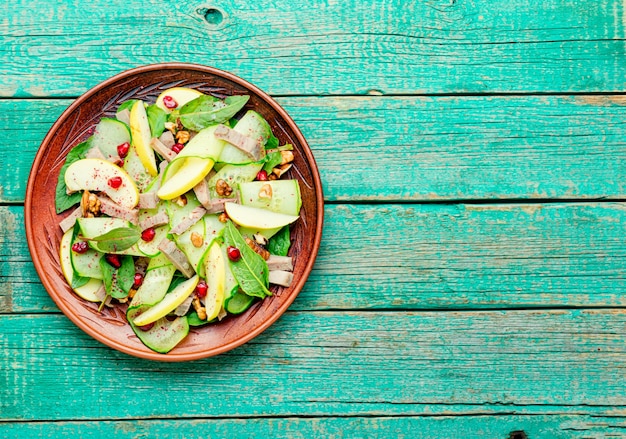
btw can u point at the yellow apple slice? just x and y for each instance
(184, 177)
(179, 95)
(141, 137)
(99, 175)
(93, 290)
(215, 279)
(256, 217)
(170, 302)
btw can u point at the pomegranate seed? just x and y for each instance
(80, 247)
(115, 182)
(113, 260)
(147, 327)
(177, 147)
(122, 150)
(120, 163)
(169, 102)
(262, 175)
(148, 234)
(138, 280)
(201, 289)
(233, 253)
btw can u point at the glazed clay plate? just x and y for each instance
(77, 123)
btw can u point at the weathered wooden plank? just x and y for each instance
(426, 257)
(412, 149)
(325, 363)
(427, 427)
(325, 48)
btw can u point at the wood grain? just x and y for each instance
(405, 427)
(329, 363)
(438, 46)
(426, 257)
(418, 149)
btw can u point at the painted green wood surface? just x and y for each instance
(325, 47)
(456, 256)
(411, 149)
(440, 427)
(329, 364)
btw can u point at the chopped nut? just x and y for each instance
(90, 204)
(179, 124)
(287, 157)
(280, 170)
(131, 293)
(182, 136)
(170, 126)
(200, 310)
(272, 176)
(181, 200)
(196, 239)
(258, 249)
(266, 191)
(222, 188)
(260, 239)
(223, 217)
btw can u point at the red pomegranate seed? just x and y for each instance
(80, 247)
(177, 147)
(233, 253)
(148, 234)
(262, 175)
(113, 260)
(115, 182)
(138, 280)
(147, 327)
(169, 102)
(122, 149)
(201, 289)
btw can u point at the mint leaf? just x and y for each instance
(62, 200)
(279, 243)
(208, 110)
(117, 240)
(272, 142)
(156, 119)
(118, 282)
(272, 160)
(251, 269)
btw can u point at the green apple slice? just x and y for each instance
(141, 135)
(215, 269)
(179, 95)
(170, 302)
(92, 290)
(256, 217)
(96, 175)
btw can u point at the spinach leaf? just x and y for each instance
(251, 269)
(279, 243)
(156, 119)
(77, 279)
(272, 142)
(272, 160)
(208, 110)
(126, 105)
(117, 239)
(62, 200)
(118, 282)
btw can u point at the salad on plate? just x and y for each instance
(180, 211)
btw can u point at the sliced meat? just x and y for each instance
(110, 208)
(123, 116)
(159, 219)
(217, 204)
(247, 144)
(280, 263)
(95, 153)
(162, 150)
(69, 221)
(281, 277)
(194, 216)
(203, 194)
(177, 257)
(167, 139)
(148, 200)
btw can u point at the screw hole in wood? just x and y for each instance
(211, 15)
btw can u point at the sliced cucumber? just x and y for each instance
(93, 227)
(110, 133)
(234, 175)
(285, 196)
(93, 290)
(238, 302)
(150, 248)
(251, 125)
(231, 285)
(178, 213)
(204, 145)
(137, 171)
(156, 282)
(164, 335)
(209, 227)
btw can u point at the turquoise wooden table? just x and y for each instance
(471, 279)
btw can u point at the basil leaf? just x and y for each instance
(208, 110)
(117, 240)
(272, 142)
(272, 160)
(79, 281)
(251, 269)
(118, 282)
(62, 200)
(156, 119)
(279, 243)
(126, 105)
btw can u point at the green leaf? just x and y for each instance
(272, 160)
(118, 282)
(117, 240)
(279, 243)
(251, 269)
(272, 142)
(194, 320)
(126, 105)
(156, 119)
(79, 281)
(62, 200)
(208, 110)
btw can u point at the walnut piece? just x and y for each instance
(90, 204)
(222, 188)
(258, 249)
(196, 239)
(183, 136)
(200, 310)
(223, 217)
